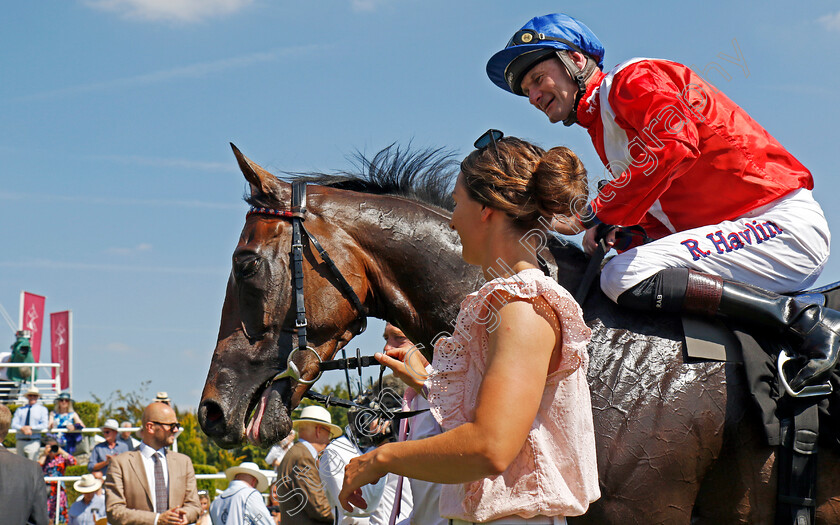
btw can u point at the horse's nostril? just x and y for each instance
(212, 417)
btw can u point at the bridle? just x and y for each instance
(297, 214)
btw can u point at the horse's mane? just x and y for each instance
(426, 175)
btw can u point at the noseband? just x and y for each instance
(297, 215)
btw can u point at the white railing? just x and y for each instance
(12, 391)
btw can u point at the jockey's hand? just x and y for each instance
(589, 242)
(408, 364)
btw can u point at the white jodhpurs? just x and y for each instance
(782, 247)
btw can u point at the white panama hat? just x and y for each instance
(87, 484)
(252, 470)
(320, 415)
(111, 424)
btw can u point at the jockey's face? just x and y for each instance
(551, 89)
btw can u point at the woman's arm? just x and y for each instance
(51, 424)
(519, 352)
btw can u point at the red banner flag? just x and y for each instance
(61, 325)
(32, 319)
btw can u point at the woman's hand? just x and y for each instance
(360, 471)
(408, 364)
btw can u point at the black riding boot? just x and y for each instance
(816, 329)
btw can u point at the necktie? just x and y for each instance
(28, 413)
(161, 495)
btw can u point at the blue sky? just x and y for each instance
(120, 198)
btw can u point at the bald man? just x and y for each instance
(153, 485)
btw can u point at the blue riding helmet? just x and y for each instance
(537, 41)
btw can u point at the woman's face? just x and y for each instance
(467, 221)
(63, 405)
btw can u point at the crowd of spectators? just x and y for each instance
(35, 501)
(125, 474)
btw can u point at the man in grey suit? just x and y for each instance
(23, 493)
(152, 485)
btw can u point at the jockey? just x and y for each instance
(725, 203)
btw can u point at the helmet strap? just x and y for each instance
(580, 76)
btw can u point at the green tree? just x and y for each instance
(124, 406)
(338, 414)
(73, 470)
(88, 412)
(191, 441)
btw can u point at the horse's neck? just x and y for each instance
(417, 276)
(571, 264)
(416, 273)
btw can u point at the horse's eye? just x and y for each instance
(246, 267)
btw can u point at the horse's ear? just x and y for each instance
(262, 182)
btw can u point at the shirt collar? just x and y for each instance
(590, 104)
(148, 451)
(309, 447)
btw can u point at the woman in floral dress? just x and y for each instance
(54, 461)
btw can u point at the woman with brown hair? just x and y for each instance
(509, 386)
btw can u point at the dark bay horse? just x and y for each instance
(678, 441)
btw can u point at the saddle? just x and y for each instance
(794, 424)
(714, 339)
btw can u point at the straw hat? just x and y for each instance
(162, 397)
(252, 470)
(87, 484)
(320, 415)
(33, 391)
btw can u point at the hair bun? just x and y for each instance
(524, 181)
(559, 179)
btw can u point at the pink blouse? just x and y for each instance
(555, 473)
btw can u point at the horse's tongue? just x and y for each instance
(253, 430)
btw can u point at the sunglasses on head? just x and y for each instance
(491, 136)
